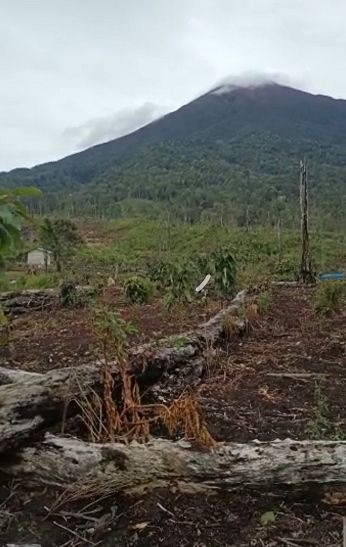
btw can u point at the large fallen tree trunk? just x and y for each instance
(28, 407)
(107, 468)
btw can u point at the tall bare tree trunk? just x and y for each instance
(305, 270)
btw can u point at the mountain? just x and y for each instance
(233, 152)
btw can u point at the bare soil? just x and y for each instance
(40, 341)
(285, 378)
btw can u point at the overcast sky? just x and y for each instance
(77, 72)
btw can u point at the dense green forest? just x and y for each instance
(227, 158)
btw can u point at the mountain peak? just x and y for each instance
(194, 159)
(249, 81)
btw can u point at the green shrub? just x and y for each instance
(138, 289)
(330, 296)
(180, 283)
(159, 273)
(224, 270)
(68, 294)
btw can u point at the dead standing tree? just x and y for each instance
(305, 271)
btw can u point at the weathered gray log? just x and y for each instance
(102, 468)
(10, 375)
(292, 284)
(16, 303)
(23, 545)
(27, 408)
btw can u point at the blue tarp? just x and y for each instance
(332, 276)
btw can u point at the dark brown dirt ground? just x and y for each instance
(57, 338)
(285, 378)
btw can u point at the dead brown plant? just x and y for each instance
(116, 413)
(252, 317)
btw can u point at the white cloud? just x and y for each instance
(110, 127)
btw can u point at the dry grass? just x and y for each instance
(252, 317)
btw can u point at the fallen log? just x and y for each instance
(16, 303)
(28, 407)
(94, 469)
(10, 375)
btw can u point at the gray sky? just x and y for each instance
(77, 72)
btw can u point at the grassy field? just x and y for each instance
(131, 245)
(257, 252)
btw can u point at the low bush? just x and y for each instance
(330, 296)
(224, 266)
(68, 294)
(138, 289)
(180, 283)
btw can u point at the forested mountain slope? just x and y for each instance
(233, 153)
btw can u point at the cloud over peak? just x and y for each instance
(113, 126)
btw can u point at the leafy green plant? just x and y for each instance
(138, 289)
(330, 297)
(112, 328)
(12, 215)
(158, 272)
(179, 283)
(68, 294)
(224, 270)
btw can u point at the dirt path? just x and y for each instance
(286, 378)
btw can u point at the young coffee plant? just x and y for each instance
(224, 267)
(68, 294)
(108, 419)
(180, 283)
(158, 273)
(138, 289)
